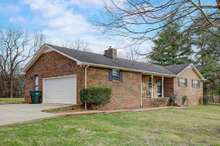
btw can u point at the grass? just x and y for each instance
(199, 125)
(11, 100)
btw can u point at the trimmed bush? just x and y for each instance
(184, 99)
(95, 96)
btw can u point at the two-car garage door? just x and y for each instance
(60, 90)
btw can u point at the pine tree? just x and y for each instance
(208, 58)
(171, 47)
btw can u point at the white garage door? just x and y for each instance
(60, 90)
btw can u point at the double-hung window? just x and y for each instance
(195, 84)
(149, 87)
(182, 82)
(115, 74)
(159, 88)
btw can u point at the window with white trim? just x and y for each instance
(149, 87)
(115, 74)
(182, 82)
(159, 88)
(195, 84)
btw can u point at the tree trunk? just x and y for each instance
(86, 105)
(11, 87)
(218, 4)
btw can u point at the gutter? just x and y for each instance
(85, 76)
(127, 69)
(46, 46)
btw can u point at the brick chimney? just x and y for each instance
(111, 52)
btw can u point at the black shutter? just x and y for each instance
(120, 74)
(186, 82)
(110, 75)
(178, 80)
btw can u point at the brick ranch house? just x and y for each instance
(60, 73)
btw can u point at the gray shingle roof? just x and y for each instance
(116, 62)
(176, 68)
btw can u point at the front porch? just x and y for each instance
(155, 88)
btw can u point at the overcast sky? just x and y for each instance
(61, 21)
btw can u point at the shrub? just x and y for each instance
(184, 99)
(172, 100)
(95, 96)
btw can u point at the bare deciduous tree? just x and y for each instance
(78, 45)
(38, 40)
(132, 54)
(15, 50)
(137, 19)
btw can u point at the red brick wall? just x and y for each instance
(194, 95)
(52, 64)
(169, 87)
(125, 93)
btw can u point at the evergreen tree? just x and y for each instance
(207, 58)
(171, 47)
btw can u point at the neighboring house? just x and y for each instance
(60, 73)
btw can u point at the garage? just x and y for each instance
(60, 89)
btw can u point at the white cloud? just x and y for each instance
(88, 2)
(9, 8)
(17, 19)
(61, 23)
(59, 20)
(97, 3)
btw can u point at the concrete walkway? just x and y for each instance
(18, 113)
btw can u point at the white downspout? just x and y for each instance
(141, 91)
(86, 75)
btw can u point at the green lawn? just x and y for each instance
(11, 100)
(199, 125)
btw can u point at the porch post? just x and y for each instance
(162, 86)
(152, 89)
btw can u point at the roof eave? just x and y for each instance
(128, 69)
(197, 71)
(40, 52)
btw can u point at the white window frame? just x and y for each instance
(149, 88)
(195, 84)
(182, 82)
(115, 74)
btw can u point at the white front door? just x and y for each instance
(60, 90)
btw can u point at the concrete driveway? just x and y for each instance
(16, 113)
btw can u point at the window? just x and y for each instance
(115, 74)
(195, 84)
(182, 82)
(36, 82)
(159, 88)
(149, 87)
